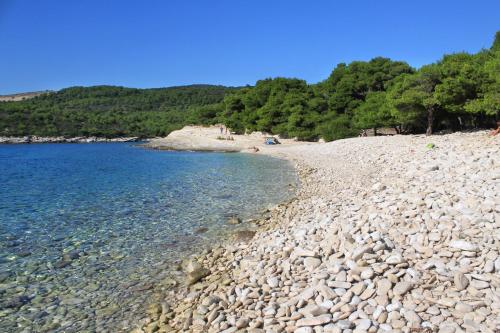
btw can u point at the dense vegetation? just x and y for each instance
(460, 91)
(111, 111)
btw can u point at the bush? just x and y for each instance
(337, 128)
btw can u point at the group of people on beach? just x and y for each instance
(363, 133)
(222, 130)
(225, 134)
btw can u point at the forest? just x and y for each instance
(460, 91)
(110, 111)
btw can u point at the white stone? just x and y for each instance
(273, 282)
(313, 321)
(312, 263)
(394, 259)
(367, 274)
(461, 281)
(463, 245)
(300, 252)
(478, 284)
(363, 324)
(402, 288)
(344, 324)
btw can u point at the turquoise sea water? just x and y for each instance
(89, 231)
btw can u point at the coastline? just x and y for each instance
(364, 239)
(205, 139)
(61, 139)
(177, 283)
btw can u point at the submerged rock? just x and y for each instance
(194, 272)
(234, 220)
(15, 302)
(201, 230)
(244, 235)
(62, 263)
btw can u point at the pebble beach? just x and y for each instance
(385, 234)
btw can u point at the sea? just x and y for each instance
(90, 232)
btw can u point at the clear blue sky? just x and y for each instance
(54, 44)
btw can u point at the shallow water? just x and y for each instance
(88, 231)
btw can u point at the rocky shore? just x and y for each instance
(386, 234)
(62, 139)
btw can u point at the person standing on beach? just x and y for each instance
(221, 130)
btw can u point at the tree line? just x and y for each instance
(460, 91)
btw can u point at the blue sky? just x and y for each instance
(54, 44)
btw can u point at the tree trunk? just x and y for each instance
(430, 120)
(374, 131)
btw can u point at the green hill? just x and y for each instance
(112, 111)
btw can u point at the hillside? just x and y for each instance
(111, 111)
(22, 96)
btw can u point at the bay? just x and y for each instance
(89, 231)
